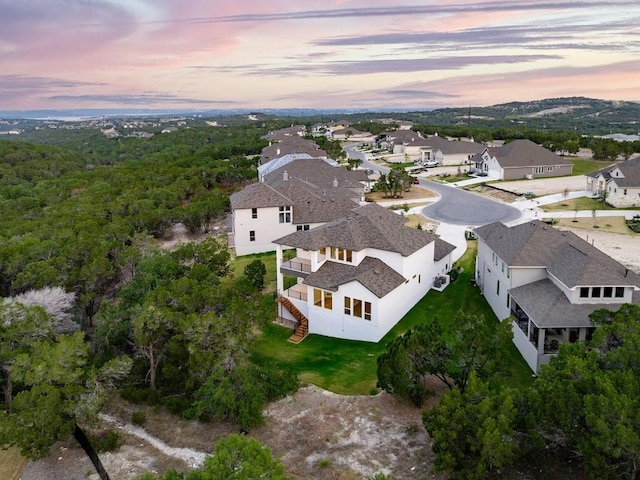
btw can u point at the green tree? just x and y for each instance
(473, 432)
(236, 457)
(255, 273)
(56, 389)
(472, 345)
(589, 395)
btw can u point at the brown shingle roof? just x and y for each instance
(258, 195)
(525, 153)
(565, 255)
(369, 226)
(372, 273)
(548, 307)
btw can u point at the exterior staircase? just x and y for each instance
(302, 327)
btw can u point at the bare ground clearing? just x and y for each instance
(318, 435)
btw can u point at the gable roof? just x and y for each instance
(291, 145)
(369, 226)
(630, 170)
(565, 255)
(525, 153)
(375, 275)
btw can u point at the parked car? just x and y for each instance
(416, 181)
(431, 163)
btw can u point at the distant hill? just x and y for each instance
(586, 115)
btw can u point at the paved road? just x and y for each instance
(455, 206)
(463, 208)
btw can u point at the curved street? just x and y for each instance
(455, 206)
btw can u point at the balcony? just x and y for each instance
(300, 267)
(297, 291)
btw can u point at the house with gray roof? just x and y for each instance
(520, 159)
(620, 181)
(298, 193)
(358, 275)
(289, 146)
(548, 281)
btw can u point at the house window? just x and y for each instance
(619, 292)
(584, 292)
(549, 169)
(498, 288)
(357, 308)
(595, 292)
(285, 215)
(322, 298)
(323, 251)
(508, 301)
(607, 292)
(341, 254)
(302, 227)
(539, 170)
(252, 235)
(254, 213)
(624, 192)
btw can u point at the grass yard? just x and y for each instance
(582, 203)
(582, 166)
(349, 367)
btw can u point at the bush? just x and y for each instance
(634, 224)
(140, 395)
(107, 441)
(138, 418)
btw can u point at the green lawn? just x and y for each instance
(349, 367)
(582, 203)
(582, 166)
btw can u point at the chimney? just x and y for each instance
(278, 151)
(335, 183)
(285, 176)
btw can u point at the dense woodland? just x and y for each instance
(92, 305)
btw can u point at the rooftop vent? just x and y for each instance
(285, 176)
(335, 183)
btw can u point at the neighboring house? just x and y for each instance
(351, 134)
(285, 133)
(449, 152)
(621, 181)
(295, 192)
(548, 281)
(291, 145)
(520, 159)
(357, 276)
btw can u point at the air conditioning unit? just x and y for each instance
(529, 176)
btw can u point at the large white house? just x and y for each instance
(295, 192)
(548, 281)
(357, 276)
(620, 181)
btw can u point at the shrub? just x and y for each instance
(138, 418)
(107, 441)
(634, 224)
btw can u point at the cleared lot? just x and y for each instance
(544, 186)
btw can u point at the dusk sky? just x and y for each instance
(416, 55)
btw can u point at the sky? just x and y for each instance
(349, 54)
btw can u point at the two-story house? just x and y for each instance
(620, 181)
(357, 276)
(548, 281)
(295, 192)
(520, 159)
